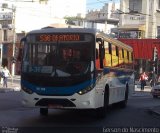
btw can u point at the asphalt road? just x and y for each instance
(13, 116)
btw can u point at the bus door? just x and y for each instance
(100, 53)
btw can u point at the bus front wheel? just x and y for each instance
(44, 111)
(123, 103)
(101, 112)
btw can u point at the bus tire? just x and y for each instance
(44, 111)
(101, 112)
(123, 103)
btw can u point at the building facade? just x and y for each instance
(139, 19)
(6, 35)
(139, 26)
(30, 15)
(104, 19)
(23, 16)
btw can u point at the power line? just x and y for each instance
(20, 0)
(101, 1)
(92, 3)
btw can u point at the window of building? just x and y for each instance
(135, 5)
(5, 35)
(43, 1)
(158, 31)
(99, 15)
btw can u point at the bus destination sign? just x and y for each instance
(57, 37)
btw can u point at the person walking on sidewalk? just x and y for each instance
(142, 79)
(6, 74)
(1, 76)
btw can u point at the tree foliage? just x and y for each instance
(70, 20)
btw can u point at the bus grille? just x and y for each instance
(59, 102)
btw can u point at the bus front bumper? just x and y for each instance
(90, 100)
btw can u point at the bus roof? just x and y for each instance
(82, 30)
(115, 41)
(64, 30)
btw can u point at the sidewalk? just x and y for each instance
(13, 84)
(138, 92)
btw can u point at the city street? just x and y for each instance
(85, 53)
(137, 114)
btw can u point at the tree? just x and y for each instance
(70, 20)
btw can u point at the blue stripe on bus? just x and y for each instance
(123, 75)
(57, 90)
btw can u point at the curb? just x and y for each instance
(4, 90)
(140, 94)
(154, 110)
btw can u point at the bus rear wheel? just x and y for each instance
(44, 111)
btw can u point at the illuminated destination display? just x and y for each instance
(57, 37)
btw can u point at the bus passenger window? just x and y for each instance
(110, 48)
(121, 57)
(117, 54)
(107, 59)
(125, 56)
(113, 50)
(122, 53)
(106, 46)
(128, 55)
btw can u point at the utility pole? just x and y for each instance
(14, 39)
(155, 66)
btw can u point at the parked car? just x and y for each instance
(155, 91)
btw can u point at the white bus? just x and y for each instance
(75, 68)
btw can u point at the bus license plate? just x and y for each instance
(55, 106)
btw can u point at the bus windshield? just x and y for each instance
(60, 59)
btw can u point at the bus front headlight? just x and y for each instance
(27, 90)
(86, 90)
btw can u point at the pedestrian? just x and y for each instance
(6, 74)
(142, 79)
(151, 82)
(1, 76)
